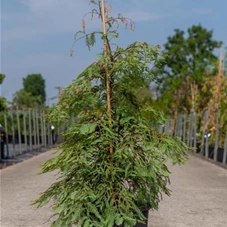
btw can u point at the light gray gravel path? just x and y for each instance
(199, 197)
(20, 184)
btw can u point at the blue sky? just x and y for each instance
(36, 35)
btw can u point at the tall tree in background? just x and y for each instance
(2, 77)
(2, 99)
(190, 61)
(35, 85)
(33, 94)
(24, 99)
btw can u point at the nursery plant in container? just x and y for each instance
(113, 161)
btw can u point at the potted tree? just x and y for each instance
(113, 161)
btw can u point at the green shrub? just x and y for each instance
(112, 162)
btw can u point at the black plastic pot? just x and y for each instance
(220, 153)
(198, 149)
(145, 213)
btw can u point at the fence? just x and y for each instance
(195, 131)
(26, 131)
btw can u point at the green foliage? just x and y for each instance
(3, 104)
(33, 94)
(23, 99)
(190, 56)
(189, 61)
(98, 188)
(35, 85)
(2, 77)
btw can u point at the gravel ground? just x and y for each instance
(20, 184)
(199, 195)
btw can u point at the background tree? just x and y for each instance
(23, 98)
(2, 77)
(189, 63)
(33, 93)
(35, 85)
(3, 104)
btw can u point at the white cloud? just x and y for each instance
(45, 17)
(58, 16)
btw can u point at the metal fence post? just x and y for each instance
(6, 131)
(49, 135)
(189, 131)
(25, 131)
(41, 128)
(2, 150)
(184, 127)
(216, 136)
(225, 149)
(160, 128)
(30, 130)
(166, 130)
(203, 134)
(206, 135)
(176, 127)
(37, 129)
(194, 130)
(180, 126)
(45, 130)
(34, 129)
(19, 131)
(13, 132)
